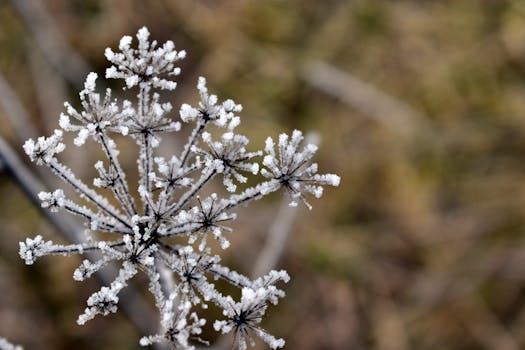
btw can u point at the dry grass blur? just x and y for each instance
(420, 106)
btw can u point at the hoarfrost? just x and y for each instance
(169, 200)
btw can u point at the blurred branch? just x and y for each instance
(488, 329)
(15, 112)
(370, 101)
(276, 239)
(50, 88)
(389, 326)
(53, 44)
(279, 231)
(131, 302)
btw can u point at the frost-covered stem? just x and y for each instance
(168, 248)
(156, 287)
(165, 196)
(92, 217)
(112, 229)
(186, 228)
(168, 190)
(190, 193)
(146, 165)
(145, 144)
(191, 141)
(234, 282)
(67, 175)
(79, 248)
(253, 193)
(127, 201)
(166, 279)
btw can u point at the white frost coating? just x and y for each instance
(64, 121)
(44, 148)
(245, 316)
(167, 231)
(81, 138)
(143, 35)
(124, 43)
(34, 248)
(90, 83)
(6, 345)
(229, 157)
(102, 302)
(292, 168)
(188, 113)
(149, 64)
(132, 80)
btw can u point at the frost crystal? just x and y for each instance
(246, 315)
(169, 203)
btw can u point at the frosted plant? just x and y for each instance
(161, 225)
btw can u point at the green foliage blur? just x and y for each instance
(423, 244)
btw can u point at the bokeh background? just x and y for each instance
(419, 106)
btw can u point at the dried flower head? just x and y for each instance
(168, 200)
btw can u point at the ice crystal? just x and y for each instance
(169, 202)
(244, 316)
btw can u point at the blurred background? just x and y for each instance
(419, 106)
